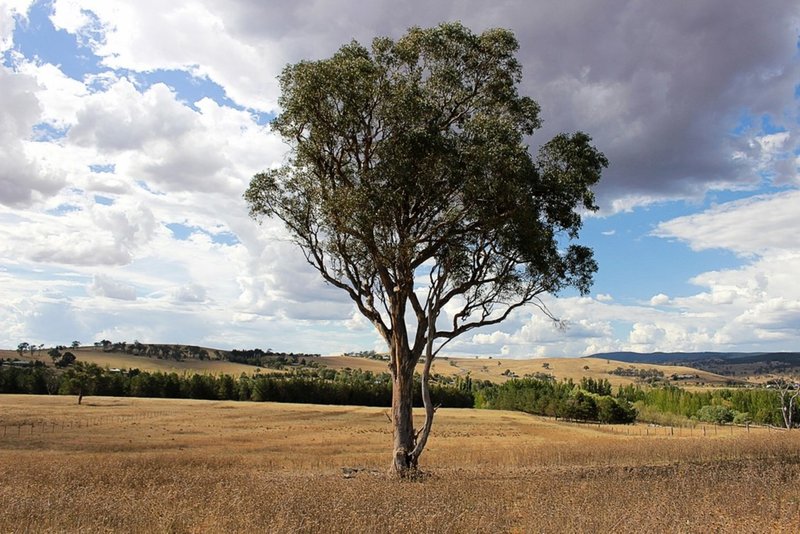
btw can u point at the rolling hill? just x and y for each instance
(758, 366)
(184, 359)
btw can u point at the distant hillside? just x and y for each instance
(739, 364)
(620, 368)
(188, 359)
(671, 357)
(501, 369)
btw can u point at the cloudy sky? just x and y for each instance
(129, 131)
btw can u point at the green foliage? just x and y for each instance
(741, 418)
(319, 386)
(598, 387)
(652, 415)
(557, 399)
(630, 393)
(61, 360)
(579, 407)
(715, 414)
(80, 379)
(761, 405)
(411, 159)
(611, 410)
(542, 396)
(34, 379)
(268, 358)
(65, 360)
(413, 153)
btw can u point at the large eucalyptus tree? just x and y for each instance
(409, 185)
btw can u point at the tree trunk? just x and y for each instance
(787, 403)
(403, 422)
(422, 440)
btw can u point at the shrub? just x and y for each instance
(610, 410)
(742, 418)
(715, 414)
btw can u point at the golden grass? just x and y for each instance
(560, 368)
(568, 368)
(147, 465)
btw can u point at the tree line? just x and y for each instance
(593, 400)
(316, 386)
(587, 400)
(761, 406)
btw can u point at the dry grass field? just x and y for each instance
(147, 465)
(574, 368)
(560, 368)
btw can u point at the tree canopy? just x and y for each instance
(410, 185)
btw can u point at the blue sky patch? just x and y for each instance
(183, 232)
(188, 88)
(103, 168)
(47, 132)
(37, 37)
(632, 261)
(63, 209)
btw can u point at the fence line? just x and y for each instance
(12, 430)
(704, 430)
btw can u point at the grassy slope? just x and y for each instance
(560, 368)
(481, 369)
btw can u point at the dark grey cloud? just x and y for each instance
(661, 86)
(672, 82)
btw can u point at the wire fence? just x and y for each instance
(698, 430)
(11, 429)
(19, 429)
